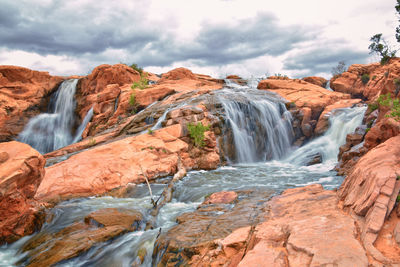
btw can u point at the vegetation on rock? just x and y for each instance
(394, 104)
(339, 69)
(365, 78)
(196, 132)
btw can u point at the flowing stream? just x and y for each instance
(51, 131)
(284, 169)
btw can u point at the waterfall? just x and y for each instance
(257, 125)
(342, 122)
(50, 131)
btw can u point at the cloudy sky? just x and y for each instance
(216, 37)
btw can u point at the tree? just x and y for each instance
(339, 69)
(380, 47)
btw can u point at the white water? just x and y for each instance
(274, 175)
(342, 122)
(51, 131)
(259, 121)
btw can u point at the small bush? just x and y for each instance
(92, 142)
(132, 102)
(365, 78)
(150, 131)
(373, 77)
(380, 47)
(137, 68)
(141, 84)
(394, 104)
(367, 130)
(373, 106)
(196, 132)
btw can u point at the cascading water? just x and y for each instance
(50, 131)
(262, 114)
(342, 122)
(260, 125)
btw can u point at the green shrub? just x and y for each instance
(365, 78)
(137, 68)
(394, 104)
(373, 106)
(374, 77)
(196, 132)
(150, 131)
(141, 84)
(367, 130)
(132, 102)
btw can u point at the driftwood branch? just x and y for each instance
(166, 195)
(148, 185)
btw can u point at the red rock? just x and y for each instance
(22, 171)
(236, 77)
(370, 190)
(224, 197)
(178, 74)
(382, 80)
(24, 93)
(323, 121)
(116, 164)
(301, 227)
(316, 80)
(100, 90)
(382, 131)
(303, 94)
(47, 249)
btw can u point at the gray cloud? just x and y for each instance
(323, 58)
(224, 44)
(90, 30)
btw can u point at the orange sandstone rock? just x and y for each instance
(303, 94)
(24, 93)
(316, 80)
(21, 171)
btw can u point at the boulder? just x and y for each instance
(371, 188)
(21, 172)
(47, 249)
(303, 94)
(320, 81)
(24, 93)
(382, 131)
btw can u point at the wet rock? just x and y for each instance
(236, 79)
(315, 160)
(197, 230)
(24, 93)
(300, 227)
(371, 188)
(224, 197)
(20, 176)
(320, 81)
(47, 249)
(303, 94)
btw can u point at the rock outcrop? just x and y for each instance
(301, 227)
(24, 93)
(378, 79)
(371, 189)
(130, 160)
(22, 170)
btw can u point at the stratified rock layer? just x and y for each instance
(22, 170)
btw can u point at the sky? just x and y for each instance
(214, 37)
